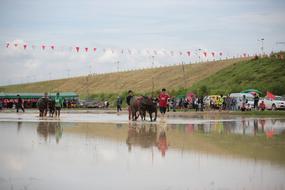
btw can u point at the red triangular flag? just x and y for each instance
(52, 47)
(221, 53)
(213, 54)
(205, 54)
(77, 49)
(86, 49)
(43, 47)
(94, 49)
(189, 53)
(269, 95)
(25, 46)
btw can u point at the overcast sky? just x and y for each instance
(230, 26)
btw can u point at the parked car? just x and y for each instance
(92, 104)
(277, 104)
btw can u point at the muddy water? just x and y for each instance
(175, 153)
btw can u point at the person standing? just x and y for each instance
(20, 104)
(244, 102)
(162, 99)
(128, 100)
(58, 104)
(200, 103)
(119, 104)
(1, 104)
(256, 100)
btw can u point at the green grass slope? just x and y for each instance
(265, 74)
(140, 81)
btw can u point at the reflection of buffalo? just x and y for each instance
(46, 129)
(142, 136)
(142, 104)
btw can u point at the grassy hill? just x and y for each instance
(219, 77)
(139, 81)
(265, 74)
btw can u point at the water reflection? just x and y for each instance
(162, 143)
(48, 130)
(147, 136)
(245, 153)
(19, 125)
(141, 135)
(253, 127)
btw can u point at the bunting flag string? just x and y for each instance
(132, 51)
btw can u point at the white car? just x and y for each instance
(277, 103)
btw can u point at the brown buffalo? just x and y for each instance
(140, 105)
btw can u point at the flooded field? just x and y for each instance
(105, 151)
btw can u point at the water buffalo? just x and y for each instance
(148, 105)
(135, 104)
(43, 106)
(142, 104)
(51, 107)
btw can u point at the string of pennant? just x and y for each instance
(121, 51)
(79, 49)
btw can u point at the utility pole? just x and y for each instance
(90, 69)
(118, 66)
(49, 74)
(87, 86)
(198, 53)
(262, 47)
(184, 77)
(152, 79)
(118, 69)
(68, 73)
